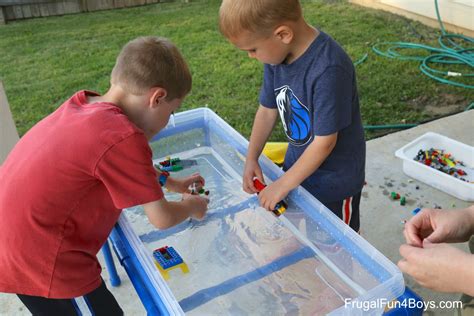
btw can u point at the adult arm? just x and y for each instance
(439, 267)
(440, 226)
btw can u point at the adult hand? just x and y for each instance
(439, 267)
(252, 169)
(440, 226)
(272, 194)
(199, 205)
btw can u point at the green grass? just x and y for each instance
(44, 61)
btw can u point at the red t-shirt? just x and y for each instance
(62, 189)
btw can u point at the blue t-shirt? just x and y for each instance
(316, 95)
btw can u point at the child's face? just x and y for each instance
(164, 111)
(157, 116)
(268, 50)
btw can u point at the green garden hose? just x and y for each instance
(406, 126)
(361, 60)
(390, 126)
(450, 52)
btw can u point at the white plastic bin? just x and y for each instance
(437, 179)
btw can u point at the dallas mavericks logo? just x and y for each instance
(294, 116)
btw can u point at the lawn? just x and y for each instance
(43, 61)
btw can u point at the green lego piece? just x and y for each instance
(176, 168)
(403, 201)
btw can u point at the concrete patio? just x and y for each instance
(381, 217)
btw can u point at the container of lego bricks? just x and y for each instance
(243, 260)
(460, 188)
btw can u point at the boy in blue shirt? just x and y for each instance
(309, 81)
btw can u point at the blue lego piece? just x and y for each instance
(167, 257)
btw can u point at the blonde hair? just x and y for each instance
(256, 16)
(151, 61)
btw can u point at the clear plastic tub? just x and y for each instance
(242, 259)
(461, 189)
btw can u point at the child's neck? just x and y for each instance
(304, 36)
(128, 103)
(113, 95)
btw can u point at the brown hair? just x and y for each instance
(256, 16)
(151, 61)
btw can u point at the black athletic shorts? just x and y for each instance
(348, 210)
(98, 302)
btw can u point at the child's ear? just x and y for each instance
(158, 95)
(284, 33)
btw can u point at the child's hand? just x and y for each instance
(251, 170)
(182, 185)
(272, 194)
(199, 205)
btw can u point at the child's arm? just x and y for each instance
(262, 128)
(263, 124)
(164, 214)
(310, 160)
(313, 156)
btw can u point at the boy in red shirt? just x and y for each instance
(63, 186)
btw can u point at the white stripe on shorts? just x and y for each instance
(83, 306)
